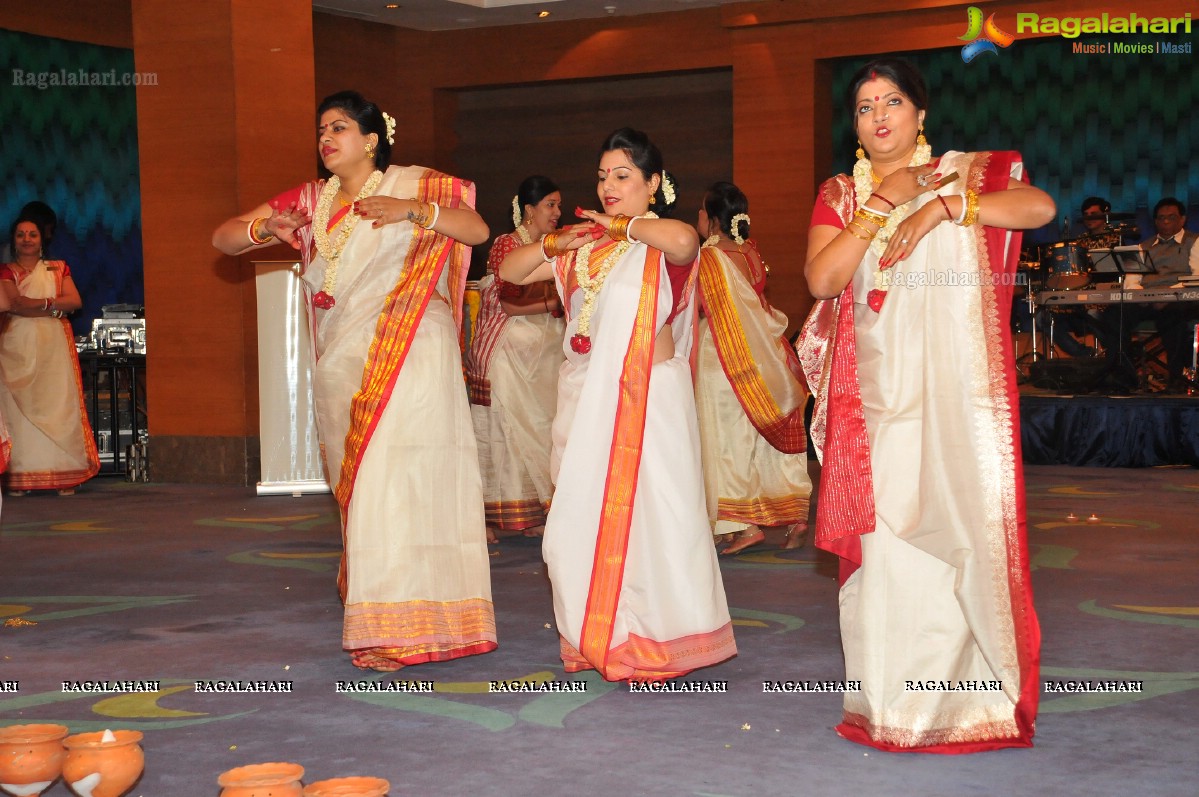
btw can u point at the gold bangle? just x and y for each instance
(867, 238)
(618, 230)
(971, 216)
(874, 217)
(549, 246)
(253, 231)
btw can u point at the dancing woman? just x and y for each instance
(512, 370)
(748, 387)
(385, 252)
(917, 417)
(637, 589)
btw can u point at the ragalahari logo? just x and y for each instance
(983, 37)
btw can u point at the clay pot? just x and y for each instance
(99, 768)
(348, 787)
(263, 780)
(31, 757)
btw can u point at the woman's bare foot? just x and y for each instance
(796, 536)
(534, 531)
(747, 538)
(491, 538)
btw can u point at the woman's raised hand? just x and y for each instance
(283, 224)
(904, 185)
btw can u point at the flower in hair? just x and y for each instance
(390, 122)
(516, 211)
(667, 188)
(735, 229)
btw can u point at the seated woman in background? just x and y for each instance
(41, 393)
(512, 370)
(748, 387)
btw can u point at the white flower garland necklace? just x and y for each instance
(591, 286)
(330, 250)
(863, 182)
(522, 233)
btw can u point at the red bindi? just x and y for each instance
(876, 99)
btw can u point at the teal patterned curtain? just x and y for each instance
(1116, 126)
(75, 148)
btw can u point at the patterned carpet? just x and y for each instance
(179, 584)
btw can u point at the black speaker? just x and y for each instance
(1070, 375)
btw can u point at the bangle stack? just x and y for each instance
(426, 218)
(254, 231)
(869, 236)
(618, 230)
(549, 247)
(969, 210)
(870, 216)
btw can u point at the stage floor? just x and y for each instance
(180, 584)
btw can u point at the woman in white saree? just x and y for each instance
(917, 422)
(637, 588)
(41, 392)
(749, 389)
(512, 372)
(385, 256)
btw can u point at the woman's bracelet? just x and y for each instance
(424, 213)
(868, 237)
(945, 205)
(965, 204)
(969, 209)
(46, 305)
(873, 216)
(546, 301)
(618, 230)
(549, 247)
(253, 229)
(628, 231)
(877, 195)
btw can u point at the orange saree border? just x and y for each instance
(429, 253)
(437, 631)
(60, 480)
(783, 430)
(514, 515)
(643, 659)
(620, 486)
(764, 510)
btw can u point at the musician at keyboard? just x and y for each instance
(1175, 255)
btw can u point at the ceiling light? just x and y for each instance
(542, 14)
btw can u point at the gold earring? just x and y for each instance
(370, 150)
(861, 153)
(921, 141)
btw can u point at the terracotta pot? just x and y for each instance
(31, 757)
(99, 768)
(263, 780)
(348, 787)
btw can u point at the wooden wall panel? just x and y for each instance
(106, 22)
(506, 134)
(229, 124)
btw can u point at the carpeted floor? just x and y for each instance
(185, 583)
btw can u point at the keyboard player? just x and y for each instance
(1175, 255)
